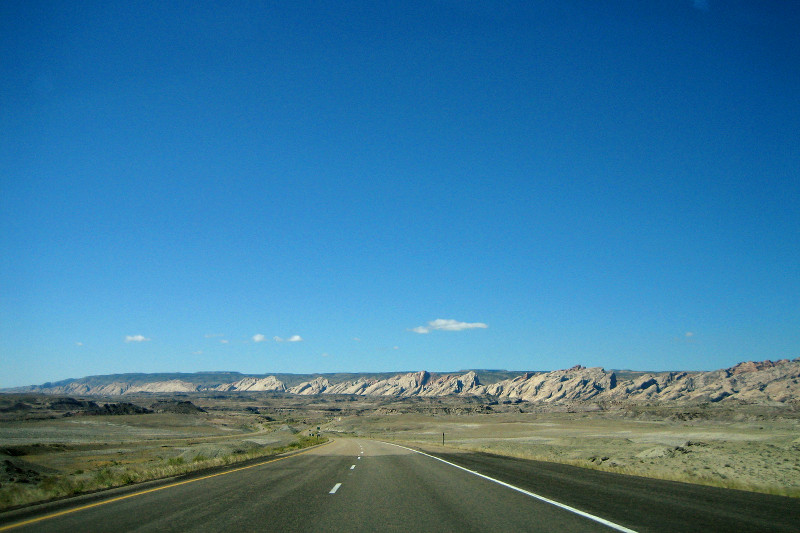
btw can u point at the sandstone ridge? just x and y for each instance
(758, 382)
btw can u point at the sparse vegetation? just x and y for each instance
(59, 486)
(48, 455)
(50, 452)
(747, 447)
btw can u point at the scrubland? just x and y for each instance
(47, 455)
(748, 447)
(47, 452)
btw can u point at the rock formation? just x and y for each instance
(269, 383)
(315, 386)
(762, 382)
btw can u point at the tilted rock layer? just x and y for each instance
(763, 382)
(269, 383)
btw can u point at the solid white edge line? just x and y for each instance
(584, 514)
(335, 488)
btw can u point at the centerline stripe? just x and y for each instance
(125, 497)
(584, 514)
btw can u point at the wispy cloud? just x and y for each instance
(136, 338)
(447, 324)
(213, 335)
(293, 338)
(688, 337)
(78, 344)
(224, 341)
(258, 337)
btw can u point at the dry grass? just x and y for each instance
(683, 475)
(747, 447)
(47, 454)
(116, 475)
(754, 454)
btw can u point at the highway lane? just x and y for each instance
(644, 504)
(363, 485)
(383, 488)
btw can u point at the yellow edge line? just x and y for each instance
(118, 498)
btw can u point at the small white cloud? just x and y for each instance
(213, 335)
(325, 354)
(689, 334)
(78, 344)
(258, 337)
(454, 325)
(293, 338)
(447, 324)
(356, 339)
(395, 347)
(136, 338)
(199, 352)
(224, 341)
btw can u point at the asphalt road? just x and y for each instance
(361, 485)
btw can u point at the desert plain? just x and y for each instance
(54, 447)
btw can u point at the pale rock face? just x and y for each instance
(173, 385)
(465, 385)
(754, 366)
(351, 387)
(315, 386)
(575, 384)
(269, 383)
(400, 385)
(412, 384)
(113, 389)
(763, 382)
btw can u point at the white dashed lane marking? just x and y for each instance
(335, 488)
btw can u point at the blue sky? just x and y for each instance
(397, 186)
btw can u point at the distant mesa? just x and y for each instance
(755, 382)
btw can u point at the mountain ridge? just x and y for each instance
(752, 381)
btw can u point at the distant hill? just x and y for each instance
(760, 382)
(212, 379)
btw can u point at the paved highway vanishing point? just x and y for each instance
(364, 485)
